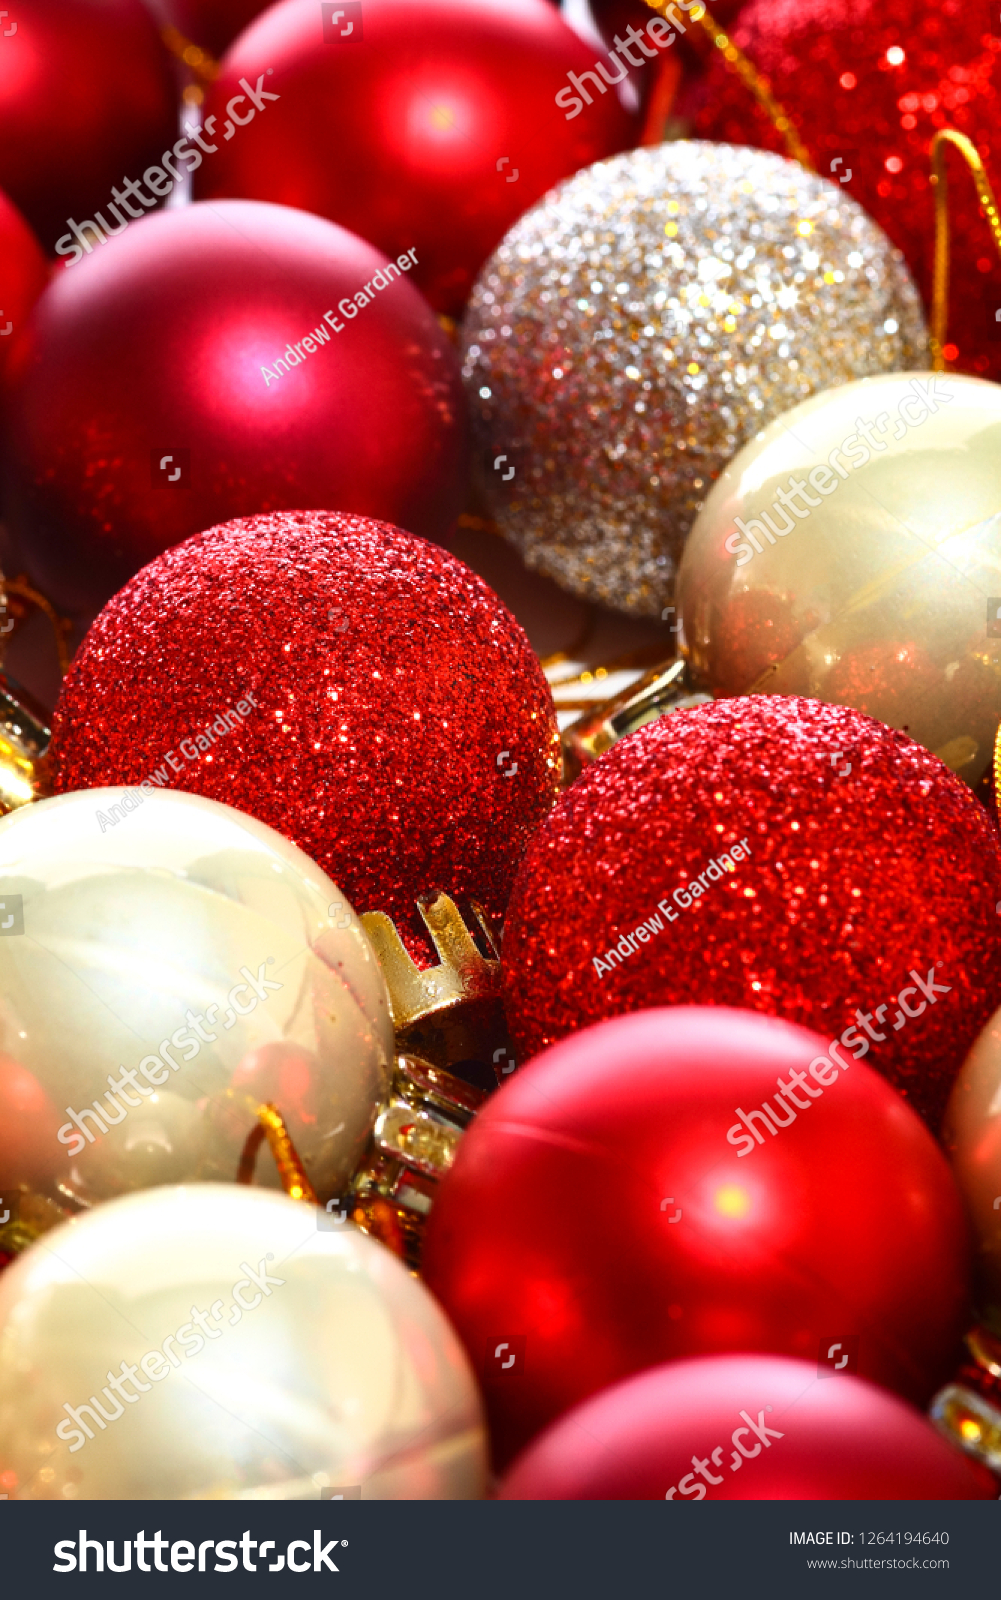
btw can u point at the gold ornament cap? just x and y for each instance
(666, 687)
(968, 1410)
(24, 740)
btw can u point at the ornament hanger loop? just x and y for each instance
(749, 75)
(271, 1126)
(985, 194)
(62, 627)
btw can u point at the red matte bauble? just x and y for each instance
(869, 82)
(598, 1218)
(868, 871)
(432, 126)
(147, 401)
(87, 100)
(212, 24)
(403, 733)
(24, 272)
(758, 1428)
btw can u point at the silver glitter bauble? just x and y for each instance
(644, 320)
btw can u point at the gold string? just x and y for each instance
(477, 524)
(985, 194)
(271, 1126)
(997, 769)
(204, 66)
(62, 627)
(748, 74)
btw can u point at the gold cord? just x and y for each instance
(748, 74)
(271, 1126)
(62, 627)
(204, 66)
(985, 194)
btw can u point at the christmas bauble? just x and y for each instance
(624, 1200)
(24, 272)
(87, 101)
(405, 736)
(973, 1138)
(457, 114)
(849, 552)
(214, 362)
(744, 1428)
(169, 966)
(642, 322)
(866, 86)
(774, 853)
(211, 1342)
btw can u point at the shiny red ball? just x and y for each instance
(867, 83)
(214, 362)
(861, 902)
(402, 731)
(744, 1428)
(429, 127)
(87, 100)
(24, 272)
(604, 1214)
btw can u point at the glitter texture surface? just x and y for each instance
(855, 878)
(642, 322)
(403, 735)
(871, 81)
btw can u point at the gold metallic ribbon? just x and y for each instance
(985, 194)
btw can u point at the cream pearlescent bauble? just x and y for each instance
(852, 553)
(640, 323)
(211, 1342)
(972, 1135)
(165, 970)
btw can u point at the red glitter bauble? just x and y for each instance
(600, 1217)
(24, 272)
(744, 1428)
(159, 390)
(87, 100)
(870, 81)
(402, 731)
(429, 127)
(866, 888)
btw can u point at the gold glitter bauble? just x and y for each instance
(876, 509)
(642, 322)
